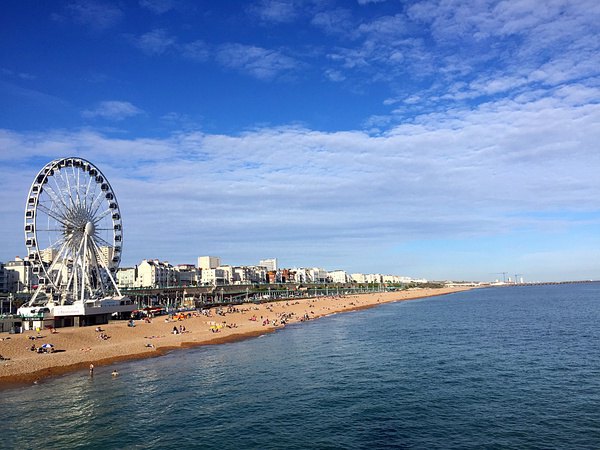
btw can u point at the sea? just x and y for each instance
(496, 368)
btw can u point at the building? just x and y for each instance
(339, 276)
(358, 278)
(208, 262)
(126, 277)
(213, 277)
(155, 273)
(270, 264)
(374, 278)
(187, 275)
(3, 283)
(19, 275)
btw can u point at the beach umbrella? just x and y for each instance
(47, 345)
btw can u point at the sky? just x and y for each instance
(445, 139)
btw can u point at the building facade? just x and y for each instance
(208, 262)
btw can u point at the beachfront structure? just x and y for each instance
(19, 275)
(339, 276)
(214, 277)
(358, 278)
(208, 262)
(74, 237)
(269, 264)
(126, 277)
(3, 285)
(309, 275)
(155, 273)
(187, 275)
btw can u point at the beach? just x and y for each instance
(77, 348)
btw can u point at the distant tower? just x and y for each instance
(208, 262)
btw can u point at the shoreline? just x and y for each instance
(77, 348)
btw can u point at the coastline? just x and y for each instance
(77, 348)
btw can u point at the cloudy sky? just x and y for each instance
(446, 139)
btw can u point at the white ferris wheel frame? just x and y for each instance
(73, 211)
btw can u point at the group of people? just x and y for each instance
(41, 349)
(114, 373)
(102, 336)
(181, 329)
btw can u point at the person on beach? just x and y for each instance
(91, 370)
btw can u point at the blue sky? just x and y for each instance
(446, 139)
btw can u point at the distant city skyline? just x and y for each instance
(443, 140)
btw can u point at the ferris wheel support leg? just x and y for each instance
(112, 280)
(34, 296)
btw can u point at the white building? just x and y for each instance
(19, 275)
(213, 276)
(208, 262)
(126, 277)
(374, 278)
(358, 278)
(155, 273)
(339, 276)
(270, 264)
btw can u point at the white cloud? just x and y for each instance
(334, 75)
(158, 6)
(95, 14)
(294, 191)
(334, 21)
(276, 11)
(258, 62)
(113, 110)
(196, 51)
(155, 42)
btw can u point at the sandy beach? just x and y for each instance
(77, 348)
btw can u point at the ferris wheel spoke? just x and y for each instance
(76, 175)
(103, 215)
(64, 190)
(94, 207)
(69, 188)
(56, 198)
(87, 190)
(62, 220)
(106, 243)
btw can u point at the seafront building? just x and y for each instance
(17, 276)
(269, 264)
(208, 262)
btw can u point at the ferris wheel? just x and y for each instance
(73, 232)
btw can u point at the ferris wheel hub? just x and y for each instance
(90, 229)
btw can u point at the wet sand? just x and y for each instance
(77, 348)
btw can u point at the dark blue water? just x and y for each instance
(502, 368)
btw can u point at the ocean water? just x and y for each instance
(506, 368)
